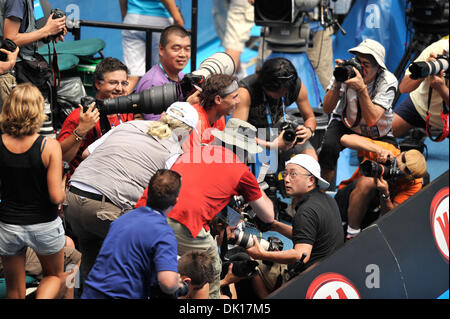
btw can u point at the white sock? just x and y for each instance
(352, 232)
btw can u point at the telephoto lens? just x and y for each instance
(423, 69)
(154, 100)
(245, 240)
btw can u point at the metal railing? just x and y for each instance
(75, 29)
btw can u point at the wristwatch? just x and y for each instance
(78, 136)
(385, 196)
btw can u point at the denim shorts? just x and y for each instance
(44, 238)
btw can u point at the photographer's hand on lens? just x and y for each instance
(438, 81)
(256, 251)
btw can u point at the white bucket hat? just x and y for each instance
(373, 48)
(311, 165)
(189, 114)
(239, 133)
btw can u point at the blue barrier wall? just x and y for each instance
(109, 11)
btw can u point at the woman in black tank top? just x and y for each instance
(31, 189)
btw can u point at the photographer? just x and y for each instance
(111, 179)
(18, 23)
(130, 261)
(263, 98)
(82, 127)
(316, 229)
(427, 101)
(210, 181)
(360, 193)
(360, 99)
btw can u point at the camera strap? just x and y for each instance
(345, 118)
(444, 120)
(53, 61)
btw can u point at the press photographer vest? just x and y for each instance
(258, 112)
(26, 52)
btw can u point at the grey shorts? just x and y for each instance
(44, 238)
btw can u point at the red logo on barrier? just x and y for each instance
(332, 286)
(439, 221)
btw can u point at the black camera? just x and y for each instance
(389, 170)
(289, 129)
(158, 98)
(85, 101)
(344, 71)
(55, 14)
(8, 45)
(423, 69)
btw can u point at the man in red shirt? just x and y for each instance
(218, 99)
(80, 128)
(209, 183)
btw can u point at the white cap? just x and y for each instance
(189, 114)
(311, 165)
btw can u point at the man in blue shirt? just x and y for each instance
(140, 249)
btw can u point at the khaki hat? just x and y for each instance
(416, 163)
(373, 48)
(239, 133)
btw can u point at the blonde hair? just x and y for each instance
(23, 111)
(163, 128)
(416, 163)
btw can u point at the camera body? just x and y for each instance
(388, 170)
(423, 69)
(55, 14)
(344, 71)
(289, 129)
(8, 45)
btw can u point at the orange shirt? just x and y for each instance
(401, 192)
(202, 134)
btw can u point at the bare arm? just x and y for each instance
(282, 228)
(52, 156)
(282, 257)
(263, 207)
(360, 143)
(408, 85)
(304, 132)
(243, 107)
(169, 281)
(87, 121)
(174, 11)
(123, 8)
(52, 27)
